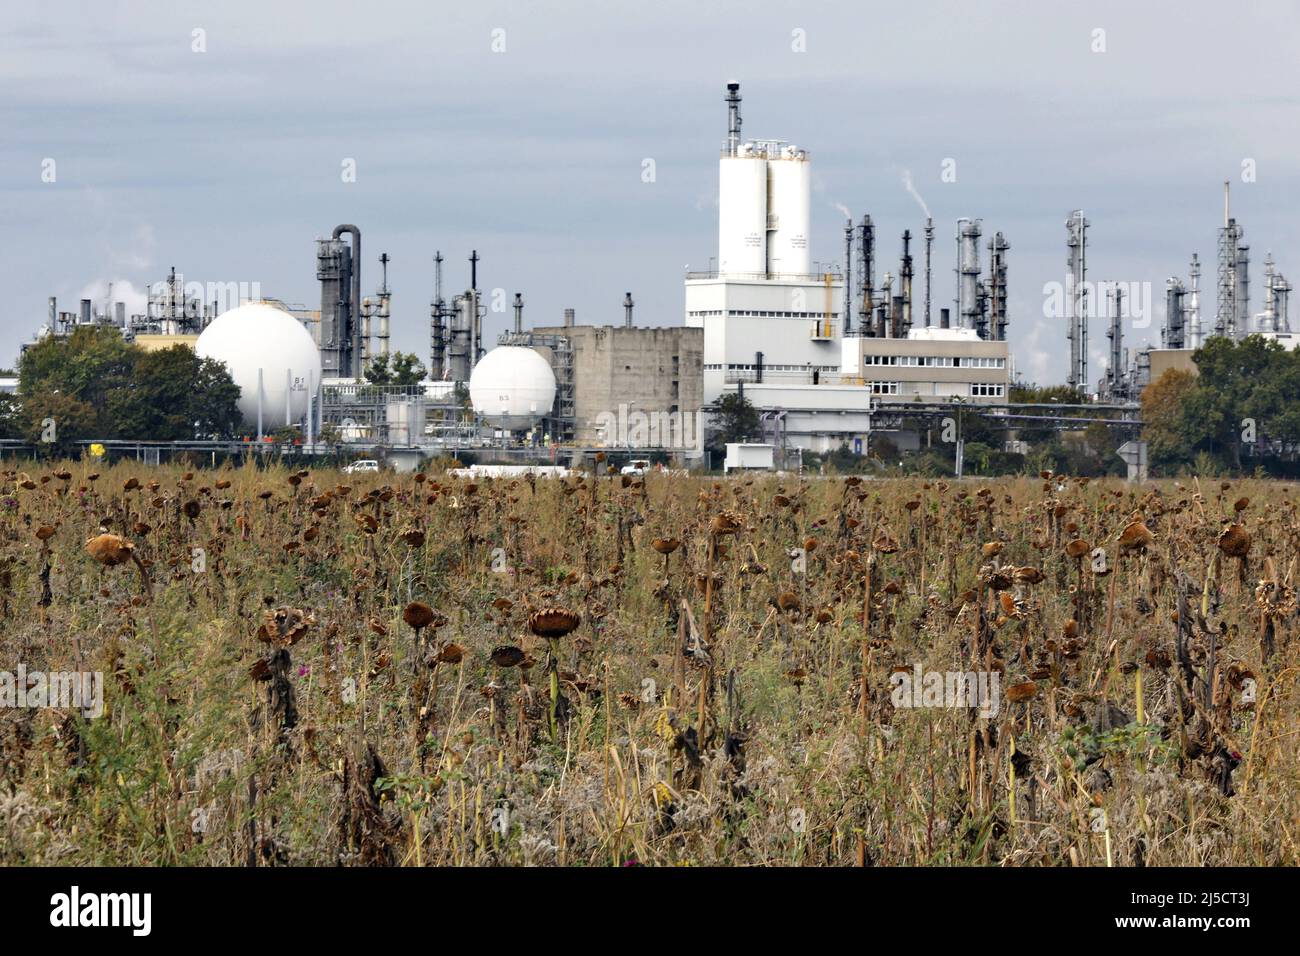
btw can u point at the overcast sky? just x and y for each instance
(227, 163)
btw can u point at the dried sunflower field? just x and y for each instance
(311, 668)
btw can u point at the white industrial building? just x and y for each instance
(776, 330)
(763, 305)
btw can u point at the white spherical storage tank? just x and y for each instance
(512, 387)
(789, 213)
(261, 337)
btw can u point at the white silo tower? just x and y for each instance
(788, 211)
(763, 313)
(742, 212)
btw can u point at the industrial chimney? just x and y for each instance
(968, 270)
(627, 309)
(848, 276)
(929, 242)
(568, 318)
(733, 118)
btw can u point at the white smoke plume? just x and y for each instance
(907, 184)
(123, 290)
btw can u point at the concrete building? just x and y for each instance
(789, 326)
(155, 341)
(930, 365)
(1163, 360)
(632, 386)
(877, 377)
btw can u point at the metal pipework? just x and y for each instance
(438, 324)
(476, 319)
(1268, 322)
(733, 118)
(867, 269)
(1175, 318)
(904, 316)
(997, 327)
(519, 313)
(1231, 306)
(968, 269)
(1194, 304)
(848, 274)
(1241, 274)
(887, 306)
(354, 310)
(1281, 304)
(929, 243)
(367, 308)
(384, 297)
(627, 310)
(1115, 373)
(1076, 299)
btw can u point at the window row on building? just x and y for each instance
(977, 389)
(936, 361)
(772, 368)
(764, 314)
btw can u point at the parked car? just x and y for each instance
(637, 467)
(363, 465)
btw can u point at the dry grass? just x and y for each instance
(380, 670)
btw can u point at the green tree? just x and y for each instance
(735, 419)
(174, 395)
(54, 420)
(401, 368)
(378, 372)
(1163, 402)
(1234, 385)
(11, 422)
(408, 370)
(89, 365)
(94, 385)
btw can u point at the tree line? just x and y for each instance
(94, 385)
(1238, 413)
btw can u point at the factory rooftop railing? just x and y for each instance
(335, 397)
(834, 274)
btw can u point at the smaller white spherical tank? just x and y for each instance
(260, 336)
(512, 387)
